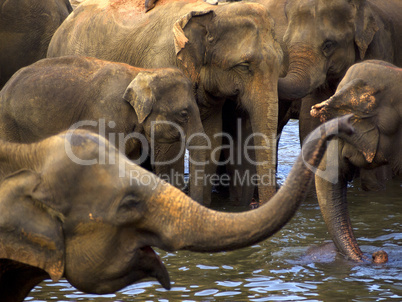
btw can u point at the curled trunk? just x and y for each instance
(306, 72)
(187, 225)
(293, 87)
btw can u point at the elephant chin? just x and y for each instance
(160, 273)
(144, 263)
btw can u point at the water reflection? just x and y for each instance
(278, 268)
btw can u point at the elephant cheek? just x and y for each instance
(355, 157)
(163, 131)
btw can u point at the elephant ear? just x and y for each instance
(190, 33)
(140, 95)
(30, 231)
(365, 138)
(365, 26)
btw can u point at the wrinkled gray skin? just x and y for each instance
(26, 27)
(94, 224)
(112, 99)
(227, 50)
(371, 91)
(322, 39)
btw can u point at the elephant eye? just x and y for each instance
(245, 66)
(328, 47)
(184, 113)
(210, 38)
(130, 201)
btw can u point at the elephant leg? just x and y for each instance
(287, 110)
(245, 170)
(167, 161)
(242, 188)
(213, 128)
(307, 123)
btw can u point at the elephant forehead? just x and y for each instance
(249, 22)
(324, 10)
(356, 95)
(171, 86)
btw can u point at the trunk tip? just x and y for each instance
(380, 257)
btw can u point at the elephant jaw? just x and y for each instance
(160, 272)
(143, 263)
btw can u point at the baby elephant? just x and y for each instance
(135, 109)
(371, 91)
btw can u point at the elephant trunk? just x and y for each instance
(197, 144)
(332, 200)
(261, 103)
(304, 75)
(185, 224)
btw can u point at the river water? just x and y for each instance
(280, 268)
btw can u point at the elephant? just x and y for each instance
(26, 27)
(65, 213)
(132, 107)
(322, 39)
(75, 3)
(371, 91)
(228, 51)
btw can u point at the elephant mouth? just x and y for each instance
(158, 270)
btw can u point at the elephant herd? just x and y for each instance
(93, 98)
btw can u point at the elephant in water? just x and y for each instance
(26, 27)
(94, 223)
(228, 51)
(132, 107)
(371, 91)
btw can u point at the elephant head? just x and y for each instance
(230, 53)
(165, 106)
(145, 107)
(95, 223)
(370, 92)
(322, 38)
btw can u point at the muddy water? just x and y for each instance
(279, 269)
